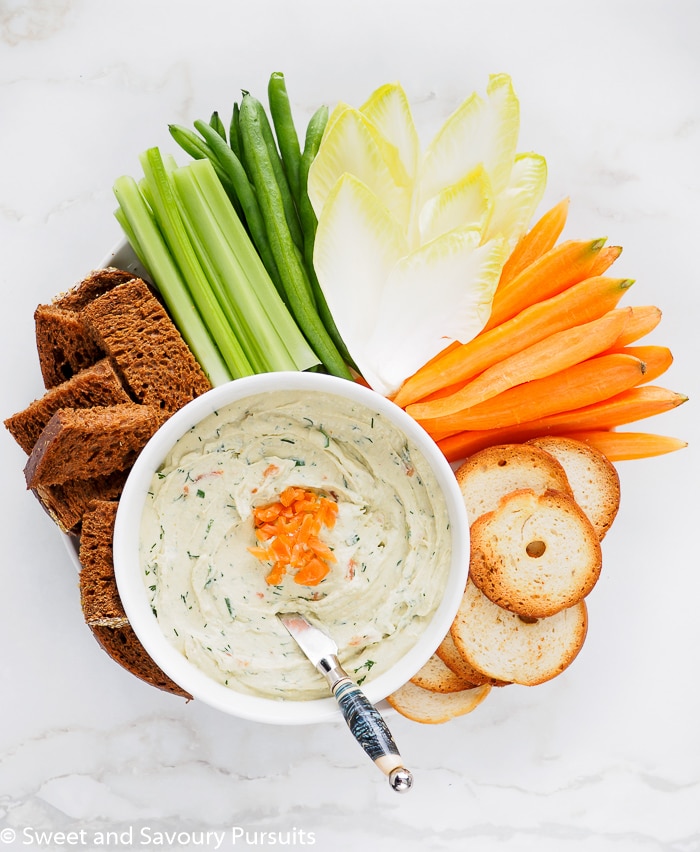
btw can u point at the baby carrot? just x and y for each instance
(555, 353)
(657, 359)
(539, 239)
(622, 446)
(605, 259)
(631, 405)
(580, 303)
(643, 320)
(565, 264)
(583, 384)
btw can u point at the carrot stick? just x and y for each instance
(544, 358)
(580, 303)
(583, 384)
(644, 319)
(631, 405)
(622, 446)
(538, 240)
(657, 359)
(565, 264)
(605, 259)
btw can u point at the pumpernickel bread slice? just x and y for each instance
(132, 327)
(535, 554)
(95, 385)
(490, 474)
(63, 343)
(124, 647)
(99, 596)
(94, 285)
(593, 478)
(102, 606)
(504, 646)
(67, 503)
(79, 443)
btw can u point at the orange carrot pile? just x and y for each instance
(288, 531)
(557, 356)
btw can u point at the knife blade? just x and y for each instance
(361, 716)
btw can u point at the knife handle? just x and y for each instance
(371, 732)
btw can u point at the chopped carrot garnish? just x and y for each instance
(289, 530)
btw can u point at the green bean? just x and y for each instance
(234, 133)
(283, 121)
(290, 210)
(286, 254)
(218, 125)
(189, 142)
(198, 149)
(314, 134)
(245, 193)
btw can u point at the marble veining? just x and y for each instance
(605, 758)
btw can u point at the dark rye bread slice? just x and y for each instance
(80, 443)
(99, 596)
(63, 343)
(101, 605)
(95, 385)
(133, 328)
(67, 503)
(123, 646)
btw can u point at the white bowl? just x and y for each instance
(133, 591)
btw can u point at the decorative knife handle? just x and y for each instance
(371, 731)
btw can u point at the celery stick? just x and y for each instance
(155, 256)
(259, 340)
(130, 235)
(167, 214)
(254, 269)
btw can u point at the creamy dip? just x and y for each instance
(391, 540)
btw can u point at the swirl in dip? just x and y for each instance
(391, 541)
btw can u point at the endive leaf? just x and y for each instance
(357, 244)
(479, 131)
(516, 205)
(349, 145)
(390, 112)
(468, 203)
(339, 108)
(438, 293)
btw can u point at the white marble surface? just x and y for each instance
(604, 759)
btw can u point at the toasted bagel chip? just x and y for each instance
(451, 656)
(433, 708)
(438, 677)
(490, 474)
(593, 478)
(536, 554)
(506, 647)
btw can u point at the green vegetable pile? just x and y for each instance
(228, 240)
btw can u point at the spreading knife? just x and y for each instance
(362, 717)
